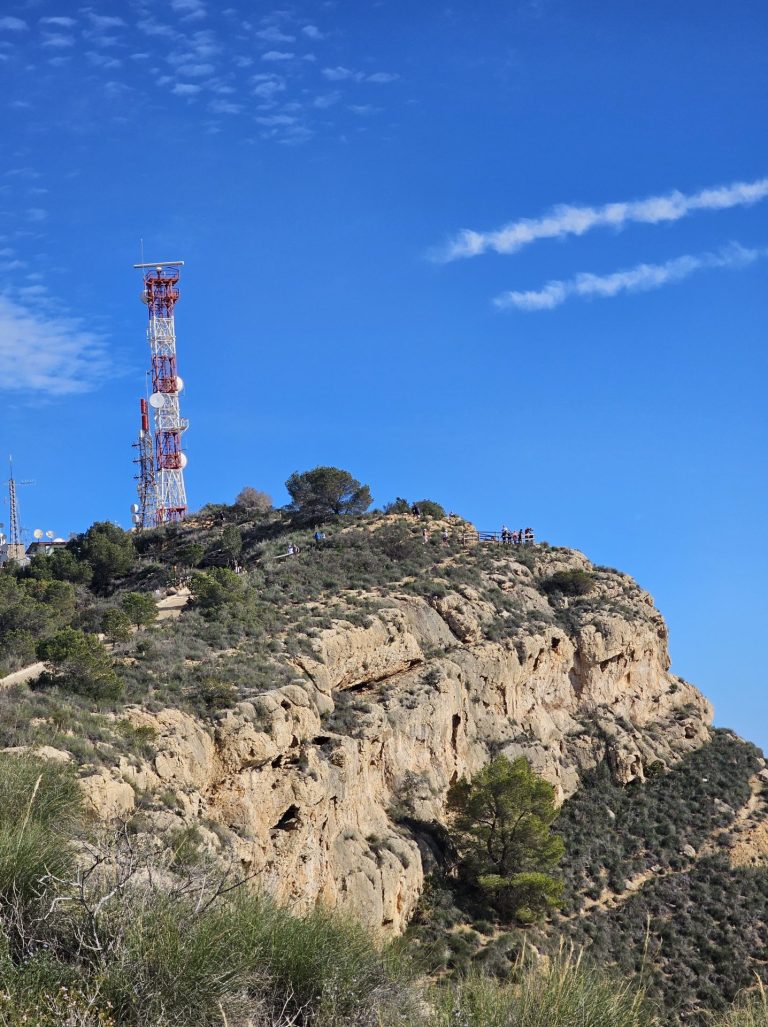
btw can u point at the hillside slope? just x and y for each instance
(305, 718)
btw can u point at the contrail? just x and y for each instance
(636, 279)
(567, 220)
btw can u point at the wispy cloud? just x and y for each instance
(383, 77)
(48, 353)
(13, 24)
(312, 32)
(62, 22)
(190, 10)
(562, 221)
(277, 55)
(272, 34)
(105, 21)
(640, 278)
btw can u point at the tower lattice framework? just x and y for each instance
(161, 294)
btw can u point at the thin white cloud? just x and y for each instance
(641, 278)
(105, 21)
(312, 32)
(271, 34)
(150, 27)
(195, 70)
(383, 76)
(277, 55)
(37, 214)
(268, 88)
(568, 220)
(62, 22)
(186, 89)
(326, 100)
(190, 10)
(59, 41)
(46, 353)
(274, 120)
(102, 60)
(13, 24)
(340, 73)
(224, 107)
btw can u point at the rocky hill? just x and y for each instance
(305, 718)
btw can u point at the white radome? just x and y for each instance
(157, 400)
(183, 461)
(179, 383)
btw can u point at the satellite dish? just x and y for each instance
(157, 400)
(134, 508)
(183, 461)
(144, 296)
(38, 532)
(136, 519)
(50, 534)
(179, 383)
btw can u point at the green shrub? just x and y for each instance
(140, 607)
(40, 808)
(569, 583)
(116, 625)
(81, 665)
(564, 993)
(428, 508)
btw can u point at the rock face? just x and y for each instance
(316, 786)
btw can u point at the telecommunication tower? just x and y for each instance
(15, 543)
(168, 498)
(144, 512)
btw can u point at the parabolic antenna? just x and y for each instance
(50, 534)
(144, 295)
(134, 508)
(179, 383)
(38, 533)
(157, 400)
(135, 518)
(183, 460)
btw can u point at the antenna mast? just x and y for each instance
(166, 493)
(15, 543)
(144, 513)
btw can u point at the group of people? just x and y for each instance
(523, 537)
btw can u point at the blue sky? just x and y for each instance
(589, 359)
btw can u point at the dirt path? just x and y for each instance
(21, 677)
(171, 607)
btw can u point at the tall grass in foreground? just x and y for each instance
(565, 992)
(752, 1012)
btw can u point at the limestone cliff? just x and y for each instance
(316, 785)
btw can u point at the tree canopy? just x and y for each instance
(502, 822)
(327, 492)
(253, 500)
(81, 664)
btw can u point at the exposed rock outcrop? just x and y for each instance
(312, 784)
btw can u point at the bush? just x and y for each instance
(427, 508)
(253, 501)
(569, 583)
(564, 993)
(116, 625)
(140, 607)
(81, 665)
(40, 807)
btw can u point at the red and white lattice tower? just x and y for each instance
(160, 294)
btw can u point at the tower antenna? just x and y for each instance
(168, 499)
(15, 542)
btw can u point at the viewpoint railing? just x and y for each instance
(473, 536)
